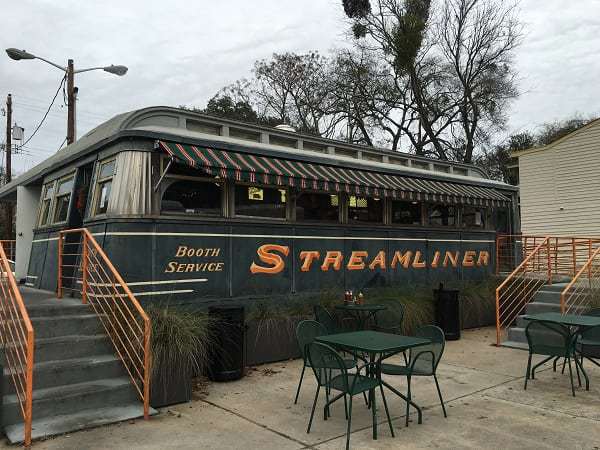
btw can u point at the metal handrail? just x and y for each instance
(17, 337)
(520, 289)
(579, 292)
(121, 315)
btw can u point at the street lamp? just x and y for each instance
(16, 54)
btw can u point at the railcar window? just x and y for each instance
(46, 203)
(103, 186)
(406, 213)
(474, 217)
(255, 201)
(442, 215)
(193, 197)
(316, 207)
(365, 209)
(63, 198)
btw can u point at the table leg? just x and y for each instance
(585, 375)
(373, 374)
(402, 396)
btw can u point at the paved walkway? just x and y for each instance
(482, 384)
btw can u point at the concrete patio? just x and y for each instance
(482, 385)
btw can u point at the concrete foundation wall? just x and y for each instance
(28, 198)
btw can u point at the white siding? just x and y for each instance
(565, 175)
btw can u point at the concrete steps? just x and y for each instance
(78, 381)
(547, 299)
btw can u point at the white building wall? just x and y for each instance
(28, 198)
(560, 186)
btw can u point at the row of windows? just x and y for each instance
(206, 198)
(56, 195)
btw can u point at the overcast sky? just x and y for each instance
(181, 52)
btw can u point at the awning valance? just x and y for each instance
(305, 175)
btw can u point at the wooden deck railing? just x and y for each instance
(17, 337)
(84, 268)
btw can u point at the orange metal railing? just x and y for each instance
(583, 291)
(521, 285)
(16, 333)
(84, 268)
(568, 254)
(10, 248)
(534, 261)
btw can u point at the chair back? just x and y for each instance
(548, 338)
(427, 362)
(306, 332)
(591, 334)
(390, 320)
(323, 359)
(326, 319)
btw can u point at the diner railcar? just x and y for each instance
(194, 208)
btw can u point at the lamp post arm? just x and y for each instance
(87, 70)
(64, 69)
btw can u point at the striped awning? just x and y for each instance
(285, 172)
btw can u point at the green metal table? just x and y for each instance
(575, 323)
(377, 345)
(362, 313)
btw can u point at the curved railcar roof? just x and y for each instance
(168, 123)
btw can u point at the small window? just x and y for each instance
(406, 213)
(63, 198)
(103, 186)
(258, 201)
(316, 207)
(193, 197)
(474, 217)
(48, 193)
(365, 209)
(442, 215)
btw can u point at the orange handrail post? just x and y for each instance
(574, 256)
(85, 262)
(589, 265)
(59, 290)
(549, 262)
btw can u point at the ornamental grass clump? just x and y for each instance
(181, 342)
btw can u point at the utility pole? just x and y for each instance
(70, 103)
(8, 207)
(8, 137)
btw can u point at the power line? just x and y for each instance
(47, 111)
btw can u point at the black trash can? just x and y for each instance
(227, 359)
(447, 312)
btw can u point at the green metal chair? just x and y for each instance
(323, 360)
(588, 344)
(552, 340)
(306, 332)
(391, 323)
(325, 318)
(422, 362)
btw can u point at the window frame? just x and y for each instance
(457, 219)
(98, 182)
(383, 219)
(178, 178)
(287, 190)
(57, 196)
(342, 212)
(45, 188)
(422, 213)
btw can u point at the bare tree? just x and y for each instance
(477, 39)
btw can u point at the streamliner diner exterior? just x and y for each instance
(194, 208)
